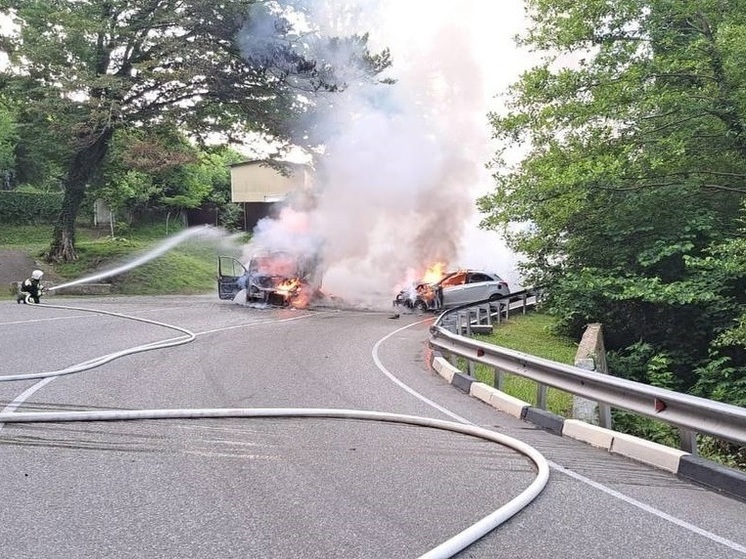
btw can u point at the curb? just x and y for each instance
(82, 289)
(728, 481)
(711, 475)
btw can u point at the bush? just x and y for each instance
(23, 207)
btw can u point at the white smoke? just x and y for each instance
(396, 182)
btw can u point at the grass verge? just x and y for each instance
(189, 268)
(530, 333)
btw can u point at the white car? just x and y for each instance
(456, 288)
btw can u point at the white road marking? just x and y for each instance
(78, 316)
(647, 508)
(19, 400)
(23, 396)
(260, 323)
(403, 386)
(32, 321)
(608, 490)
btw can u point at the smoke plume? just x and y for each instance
(394, 185)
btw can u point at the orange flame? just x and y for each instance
(288, 286)
(295, 292)
(434, 273)
(302, 298)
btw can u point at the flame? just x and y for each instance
(301, 298)
(287, 286)
(295, 292)
(434, 273)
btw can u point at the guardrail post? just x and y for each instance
(470, 365)
(604, 416)
(688, 441)
(453, 358)
(541, 396)
(525, 299)
(499, 378)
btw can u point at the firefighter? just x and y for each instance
(31, 288)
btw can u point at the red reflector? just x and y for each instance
(480, 352)
(660, 405)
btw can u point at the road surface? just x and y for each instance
(299, 487)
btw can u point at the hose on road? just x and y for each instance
(188, 336)
(445, 550)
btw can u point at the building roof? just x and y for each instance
(267, 163)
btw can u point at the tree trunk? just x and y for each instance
(83, 167)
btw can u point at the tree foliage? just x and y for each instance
(8, 140)
(91, 68)
(161, 168)
(628, 201)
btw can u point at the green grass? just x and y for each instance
(189, 268)
(183, 271)
(35, 238)
(531, 333)
(26, 237)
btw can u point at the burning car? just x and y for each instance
(271, 278)
(455, 288)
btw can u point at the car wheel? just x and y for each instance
(420, 306)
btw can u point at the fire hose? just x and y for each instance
(444, 550)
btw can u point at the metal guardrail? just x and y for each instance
(690, 414)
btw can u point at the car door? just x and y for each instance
(454, 292)
(230, 271)
(478, 287)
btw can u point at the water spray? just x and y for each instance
(159, 250)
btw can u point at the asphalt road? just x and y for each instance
(299, 487)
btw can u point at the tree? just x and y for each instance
(634, 174)
(38, 145)
(203, 67)
(8, 140)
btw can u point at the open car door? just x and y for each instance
(230, 271)
(454, 289)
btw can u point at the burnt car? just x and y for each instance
(455, 288)
(276, 278)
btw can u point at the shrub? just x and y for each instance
(24, 207)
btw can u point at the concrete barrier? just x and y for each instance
(651, 453)
(591, 434)
(499, 400)
(462, 381)
(692, 468)
(444, 368)
(545, 419)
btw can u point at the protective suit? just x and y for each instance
(31, 288)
